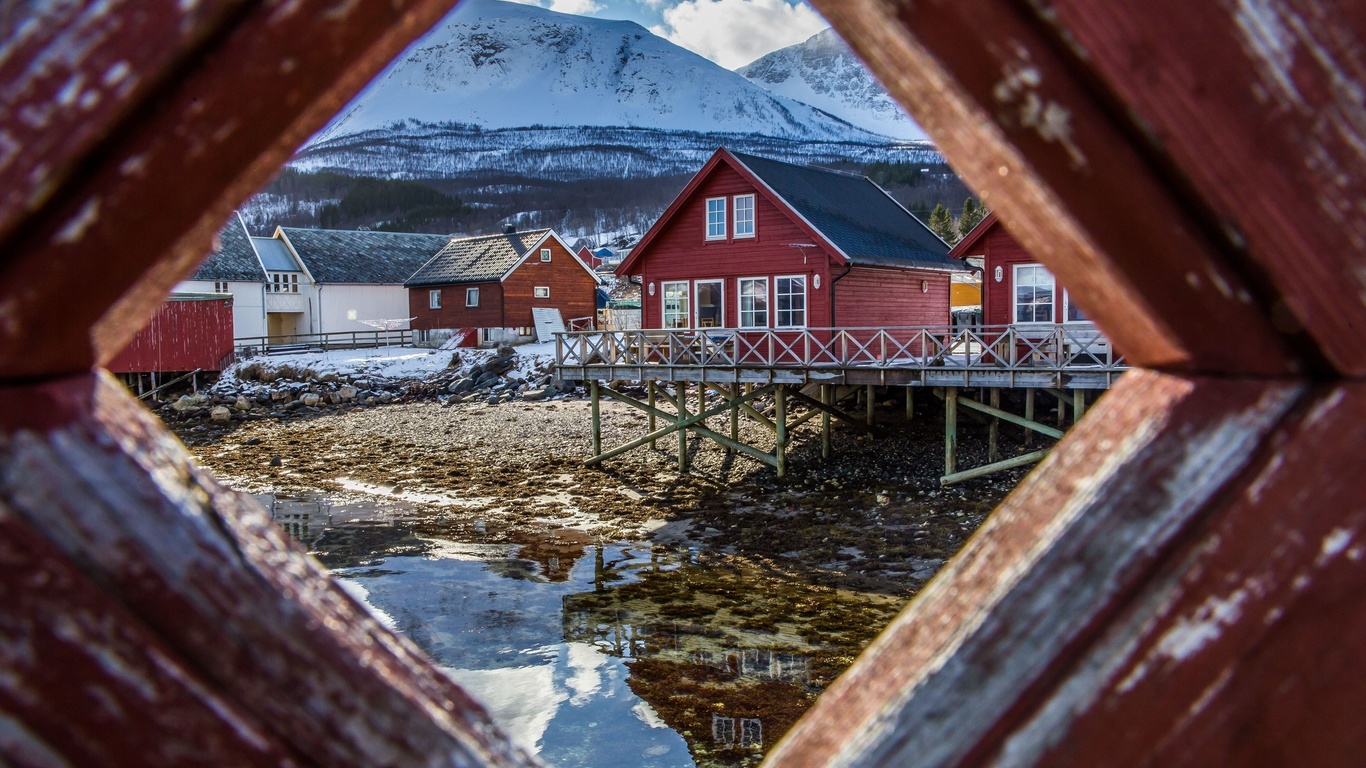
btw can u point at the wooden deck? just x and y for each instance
(1058, 356)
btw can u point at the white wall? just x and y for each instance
(343, 307)
(248, 304)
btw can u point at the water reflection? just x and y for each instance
(600, 654)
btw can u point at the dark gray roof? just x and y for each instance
(476, 259)
(342, 256)
(274, 254)
(855, 214)
(233, 258)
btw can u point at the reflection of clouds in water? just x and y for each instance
(362, 595)
(522, 700)
(587, 664)
(647, 714)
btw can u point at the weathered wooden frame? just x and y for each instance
(1179, 583)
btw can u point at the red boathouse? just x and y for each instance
(190, 331)
(1016, 288)
(757, 243)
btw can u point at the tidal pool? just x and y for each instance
(600, 654)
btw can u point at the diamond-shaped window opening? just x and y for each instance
(1092, 609)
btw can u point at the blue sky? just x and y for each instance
(730, 32)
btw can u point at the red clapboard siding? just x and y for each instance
(874, 297)
(572, 290)
(182, 336)
(453, 312)
(682, 252)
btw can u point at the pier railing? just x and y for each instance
(1036, 348)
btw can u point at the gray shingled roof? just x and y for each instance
(476, 259)
(854, 213)
(341, 256)
(234, 258)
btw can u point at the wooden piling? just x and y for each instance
(826, 396)
(596, 418)
(681, 393)
(994, 428)
(1029, 415)
(734, 414)
(910, 404)
(702, 399)
(1078, 404)
(869, 401)
(950, 430)
(650, 389)
(780, 420)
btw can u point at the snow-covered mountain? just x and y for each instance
(529, 91)
(824, 73)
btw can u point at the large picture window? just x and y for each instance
(754, 302)
(790, 297)
(744, 215)
(1033, 294)
(676, 305)
(716, 218)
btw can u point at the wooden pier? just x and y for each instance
(819, 369)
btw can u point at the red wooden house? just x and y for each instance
(190, 331)
(492, 282)
(1016, 288)
(756, 243)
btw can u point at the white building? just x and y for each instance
(233, 267)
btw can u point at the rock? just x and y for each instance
(312, 399)
(328, 377)
(276, 461)
(455, 360)
(242, 404)
(221, 413)
(184, 403)
(386, 398)
(505, 351)
(348, 392)
(500, 365)
(536, 394)
(493, 400)
(370, 400)
(487, 380)
(476, 371)
(254, 441)
(280, 395)
(334, 397)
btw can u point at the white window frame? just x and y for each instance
(716, 230)
(685, 314)
(545, 254)
(540, 292)
(1067, 309)
(472, 293)
(1015, 271)
(221, 286)
(283, 282)
(697, 303)
(768, 305)
(753, 216)
(434, 298)
(806, 301)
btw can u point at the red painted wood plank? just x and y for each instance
(249, 95)
(225, 589)
(1244, 649)
(1260, 106)
(1042, 576)
(86, 683)
(1066, 176)
(181, 336)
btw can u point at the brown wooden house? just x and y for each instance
(493, 282)
(757, 243)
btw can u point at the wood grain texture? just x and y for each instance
(1064, 174)
(1260, 106)
(228, 113)
(227, 591)
(1041, 576)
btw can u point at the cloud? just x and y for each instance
(733, 33)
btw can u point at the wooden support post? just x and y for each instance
(681, 393)
(994, 428)
(650, 389)
(194, 382)
(594, 407)
(689, 422)
(989, 469)
(780, 420)
(1029, 415)
(869, 401)
(825, 422)
(1078, 404)
(975, 407)
(702, 399)
(734, 413)
(1062, 412)
(910, 404)
(950, 430)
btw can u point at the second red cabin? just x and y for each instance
(756, 243)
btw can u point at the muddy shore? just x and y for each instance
(873, 518)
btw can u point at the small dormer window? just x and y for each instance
(716, 218)
(283, 282)
(545, 254)
(744, 215)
